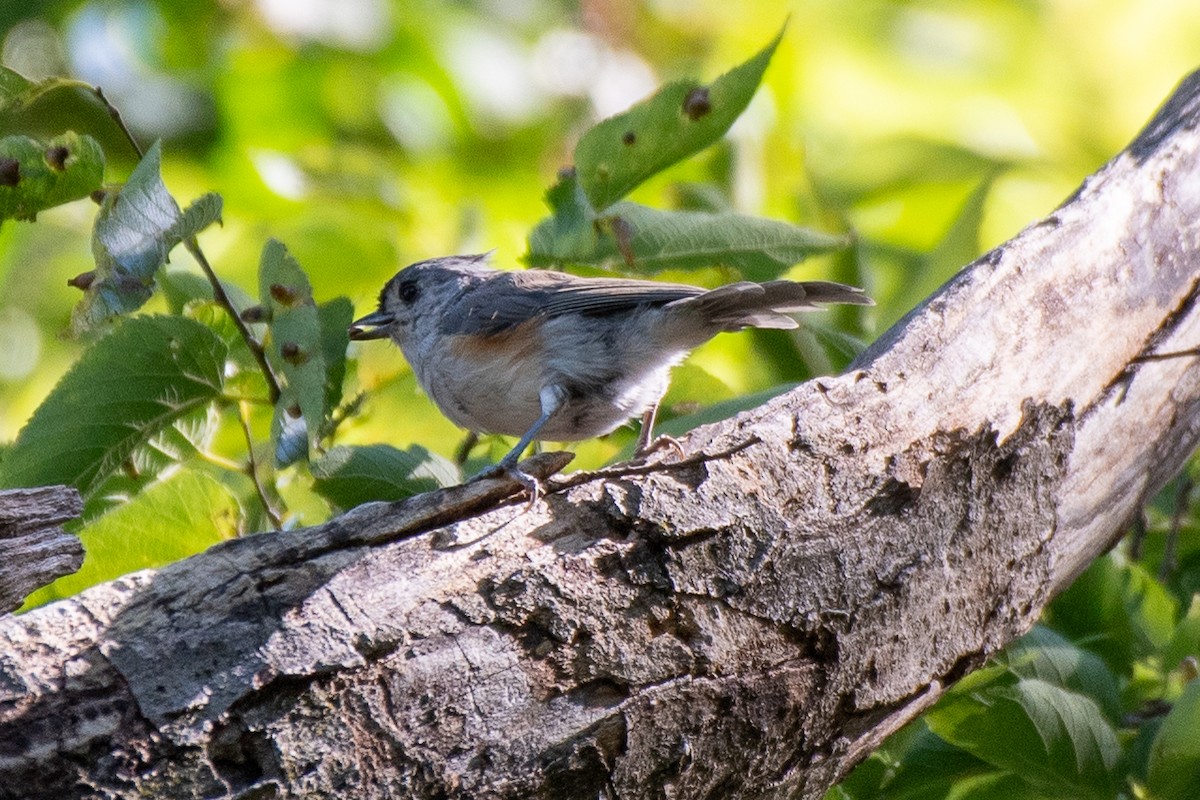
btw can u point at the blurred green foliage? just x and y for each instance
(367, 134)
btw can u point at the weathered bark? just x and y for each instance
(748, 622)
(34, 549)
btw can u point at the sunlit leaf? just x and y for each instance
(892, 166)
(181, 287)
(958, 247)
(350, 476)
(649, 240)
(335, 318)
(125, 389)
(138, 225)
(38, 175)
(183, 440)
(13, 86)
(174, 518)
(680, 119)
(760, 249)
(294, 348)
(204, 211)
(568, 235)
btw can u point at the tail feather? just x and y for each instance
(792, 296)
(765, 305)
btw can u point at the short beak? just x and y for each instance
(372, 326)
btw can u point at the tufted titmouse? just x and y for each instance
(546, 355)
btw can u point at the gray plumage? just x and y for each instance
(552, 356)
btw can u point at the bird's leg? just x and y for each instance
(645, 446)
(552, 399)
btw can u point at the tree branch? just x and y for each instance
(34, 549)
(748, 622)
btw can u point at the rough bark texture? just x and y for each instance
(748, 622)
(34, 549)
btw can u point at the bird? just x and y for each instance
(545, 355)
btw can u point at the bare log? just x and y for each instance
(34, 549)
(747, 622)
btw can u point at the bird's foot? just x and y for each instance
(659, 444)
(513, 473)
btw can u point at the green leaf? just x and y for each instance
(1186, 639)
(172, 519)
(930, 767)
(1045, 654)
(826, 349)
(47, 108)
(1117, 610)
(335, 318)
(183, 440)
(1056, 740)
(681, 119)
(13, 86)
(568, 235)
(180, 287)
(350, 476)
(295, 350)
(38, 175)
(126, 388)
(758, 248)
(691, 196)
(1174, 772)
(988, 786)
(864, 782)
(650, 240)
(204, 211)
(137, 227)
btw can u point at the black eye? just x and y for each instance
(409, 291)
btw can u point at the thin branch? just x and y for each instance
(1189, 353)
(219, 294)
(252, 468)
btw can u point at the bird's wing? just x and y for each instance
(512, 298)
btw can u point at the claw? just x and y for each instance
(659, 444)
(529, 482)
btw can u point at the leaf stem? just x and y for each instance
(252, 467)
(223, 300)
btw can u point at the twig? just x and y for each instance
(252, 468)
(223, 300)
(632, 468)
(1189, 353)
